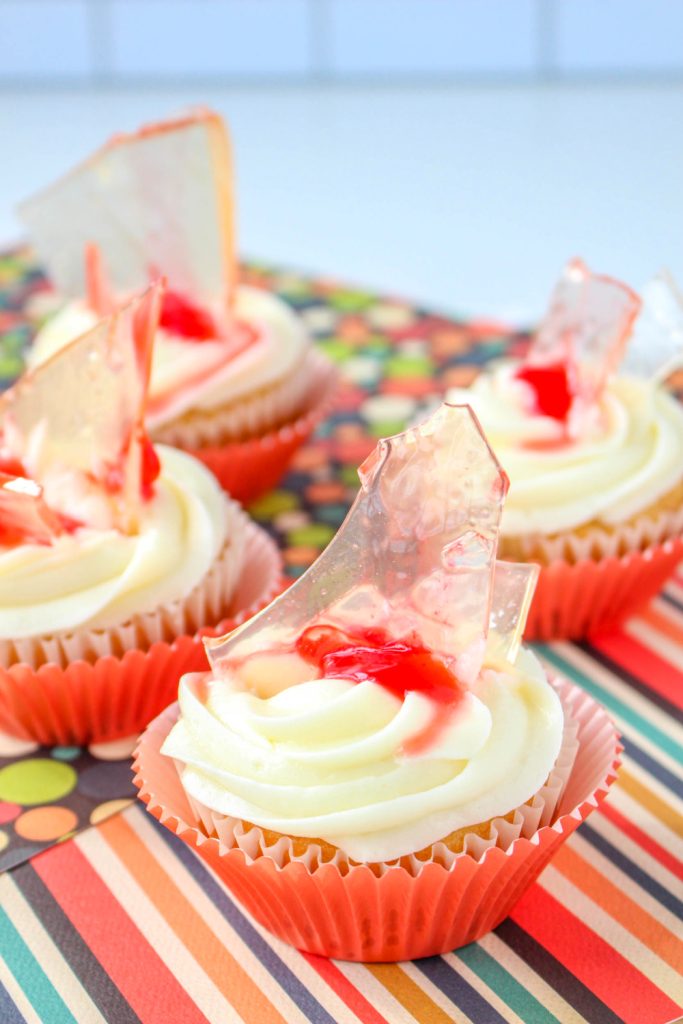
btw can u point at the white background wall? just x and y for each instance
(457, 152)
(134, 41)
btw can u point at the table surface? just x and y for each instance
(469, 199)
(123, 923)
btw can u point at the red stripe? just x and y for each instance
(150, 988)
(644, 841)
(347, 992)
(656, 673)
(604, 971)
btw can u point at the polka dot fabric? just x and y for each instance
(49, 793)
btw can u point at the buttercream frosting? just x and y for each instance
(326, 757)
(97, 578)
(279, 347)
(626, 457)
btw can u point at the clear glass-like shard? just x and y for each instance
(513, 590)
(76, 422)
(656, 345)
(155, 202)
(24, 516)
(415, 555)
(586, 328)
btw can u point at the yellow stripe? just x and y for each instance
(654, 804)
(411, 997)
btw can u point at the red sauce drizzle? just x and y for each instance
(179, 315)
(398, 665)
(553, 395)
(150, 468)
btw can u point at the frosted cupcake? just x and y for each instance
(593, 445)
(114, 554)
(235, 378)
(376, 742)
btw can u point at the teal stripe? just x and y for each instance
(30, 976)
(627, 714)
(505, 986)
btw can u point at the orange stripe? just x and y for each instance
(619, 906)
(212, 955)
(662, 623)
(654, 804)
(409, 994)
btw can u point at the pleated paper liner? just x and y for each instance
(246, 465)
(402, 912)
(597, 578)
(120, 679)
(574, 601)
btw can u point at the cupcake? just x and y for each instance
(376, 743)
(235, 379)
(593, 445)
(114, 554)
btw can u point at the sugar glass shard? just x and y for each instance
(155, 202)
(656, 345)
(586, 328)
(76, 422)
(513, 590)
(414, 556)
(24, 516)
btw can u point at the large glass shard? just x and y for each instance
(585, 329)
(513, 590)
(24, 516)
(155, 202)
(656, 345)
(75, 424)
(415, 556)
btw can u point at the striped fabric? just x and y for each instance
(125, 924)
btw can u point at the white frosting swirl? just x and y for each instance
(281, 345)
(325, 758)
(98, 578)
(628, 456)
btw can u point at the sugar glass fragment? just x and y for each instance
(24, 516)
(586, 328)
(414, 557)
(75, 423)
(157, 201)
(656, 345)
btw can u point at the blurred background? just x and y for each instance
(457, 152)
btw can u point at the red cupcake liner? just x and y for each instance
(354, 914)
(113, 697)
(248, 469)
(574, 600)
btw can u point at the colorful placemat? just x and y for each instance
(394, 357)
(125, 924)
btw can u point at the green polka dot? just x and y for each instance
(336, 349)
(408, 366)
(351, 301)
(317, 535)
(386, 428)
(36, 781)
(349, 476)
(273, 504)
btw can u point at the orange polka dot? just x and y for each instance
(326, 491)
(300, 555)
(44, 823)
